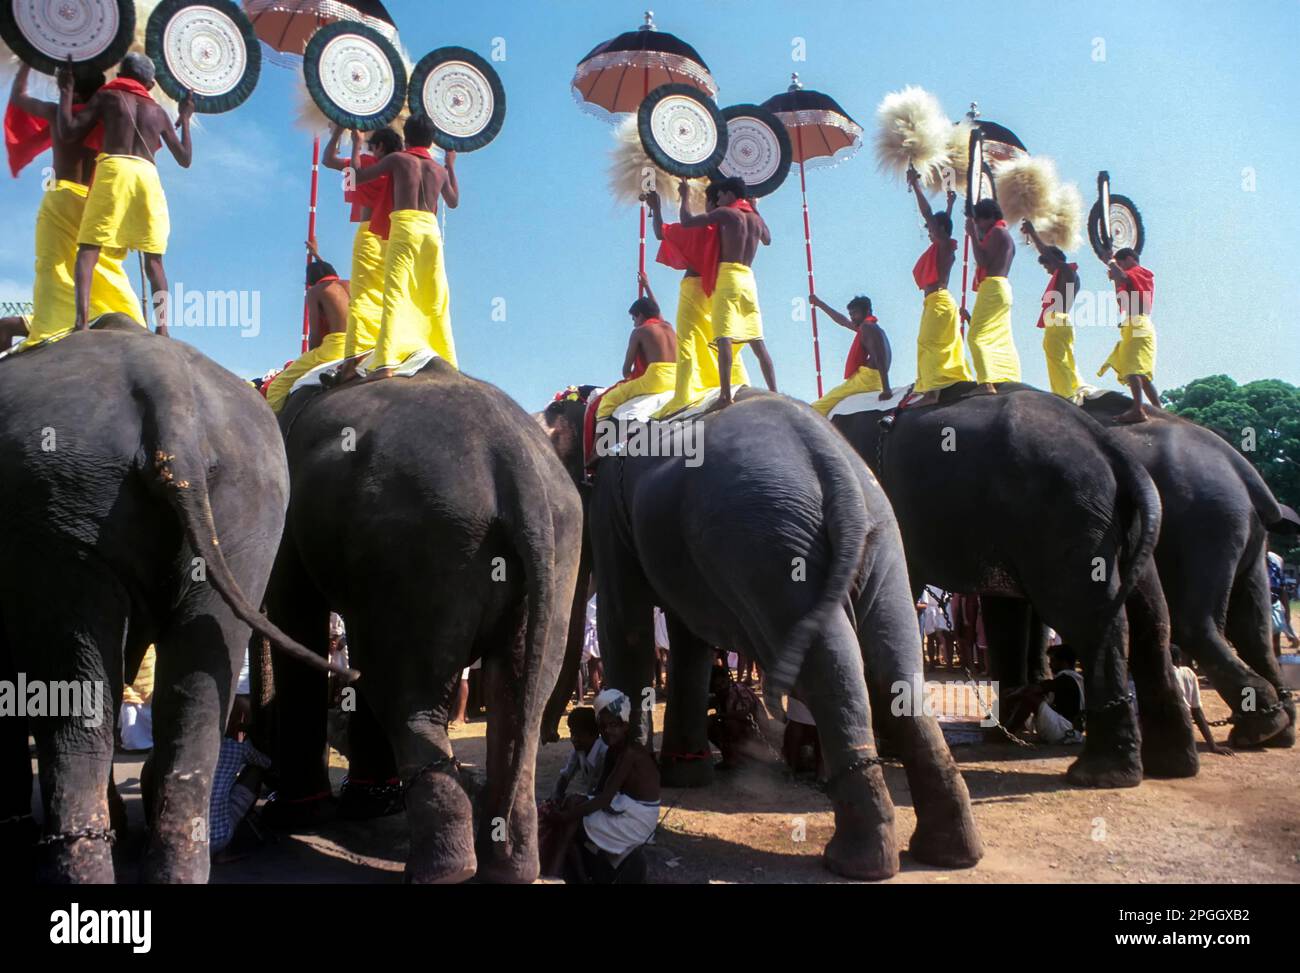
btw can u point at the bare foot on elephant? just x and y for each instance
(1131, 416)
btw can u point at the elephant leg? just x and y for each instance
(625, 621)
(1249, 628)
(685, 759)
(199, 657)
(891, 657)
(297, 711)
(372, 787)
(1006, 626)
(1036, 645)
(1243, 689)
(410, 680)
(568, 679)
(507, 833)
(18, 829)
(1168, 746)
(75, 641)
(1111, 746)
(863, 846)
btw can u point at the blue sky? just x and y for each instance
(1192, 101)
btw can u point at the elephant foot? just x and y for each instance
(863, 846)
(1105, 771)
(519, 869)
(945, 834)
(1286, 738)
(686, 770)
(84, 861)
(441, 821)
(1256, 729)
(1168, 747)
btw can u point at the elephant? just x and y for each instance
(1217, 512)
(1021, 496)
(145, 490)
(432, 513)
(777, 542)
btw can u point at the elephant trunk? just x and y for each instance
(184, 482)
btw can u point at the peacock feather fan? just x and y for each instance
(630, 166)
(912, 130)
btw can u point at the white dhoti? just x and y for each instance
(626, 826)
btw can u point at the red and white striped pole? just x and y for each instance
(807, 243)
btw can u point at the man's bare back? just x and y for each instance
(132, 125)
(740, 234)
(656, 341)
(328, 308)
(73, 162)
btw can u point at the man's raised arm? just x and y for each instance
(686, 218)
(20, 99)
(833, 314)
(1034, 238)
(181, 148)
(450, 187)
(923, 204)
(67, 126)
(652, 202)
(330, 157)
(381, 168)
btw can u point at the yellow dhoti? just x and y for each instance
(940, 358)
(366, 308)
(659, 377)
(54, 312)
(417, 308)
(863, 380)
(992, 348)
(126, 208)
(1135, 353)
(697, 362)
(1058, 349)
(330, 349)
(735, 305)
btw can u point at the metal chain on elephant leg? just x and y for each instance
(67, 837)
(988, 714)
(441, 763)
(1283, 694)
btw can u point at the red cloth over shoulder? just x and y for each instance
(1049, 295)
(857, 354)
(130, 86)
(28, 135)
(926, 271)
(693, 248)
(1142, 283)
(365, 195)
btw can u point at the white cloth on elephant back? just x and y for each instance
(869, 402)
(626, 826)
(641, 408)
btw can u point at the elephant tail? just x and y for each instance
(1274, 515)
(1135, 552)
(845, 527)
(183, 478)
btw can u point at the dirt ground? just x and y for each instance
(1238, 821)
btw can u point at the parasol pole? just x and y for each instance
(970, 208)
(311, 231)
(807, 243)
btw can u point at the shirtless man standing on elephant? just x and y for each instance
(736, 316)
(417, 306)
(992, 347)
(126, 208)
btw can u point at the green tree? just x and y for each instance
(1265, 414)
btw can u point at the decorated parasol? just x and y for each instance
(206, 48)
(94, 34)
(682, 131)
(285, 27)
(355, 76)
(616, 76)
(462, 94)
(821, 134)
(1114, 222)
(758, 148)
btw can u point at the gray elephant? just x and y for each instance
(1211, 558)
(1021, 496)
(779, 543)
(432, 513)
(144, 488)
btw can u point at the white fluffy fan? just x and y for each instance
(1026, 187)
(1062, 224)
(629, 167)
(912, 130)
(956, 160)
